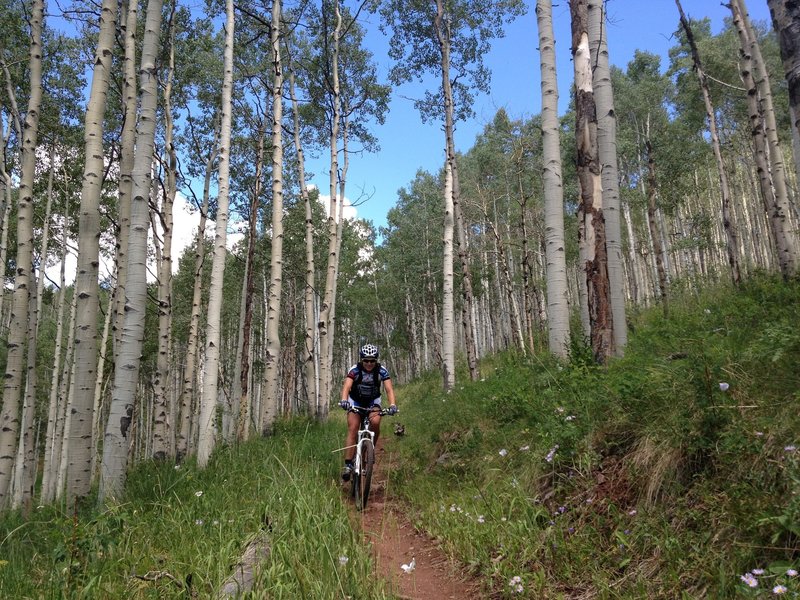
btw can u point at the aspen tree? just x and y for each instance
(271, 385)
(557, 304)
(187, 399)
(607, 152)
(79, 471)
(590, 211)
(208, 401)
(309, 338)
(116, 439)
(129, 17)
(162, 426)
(50, 462)
(18, 333)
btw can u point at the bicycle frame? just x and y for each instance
(364, 433)
(364, 458)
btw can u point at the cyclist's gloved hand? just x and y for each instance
(393, 410)
(346, 404)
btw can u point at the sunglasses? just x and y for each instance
(368, 360)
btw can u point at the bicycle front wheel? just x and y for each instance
(363, 479)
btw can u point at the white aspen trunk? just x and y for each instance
(55, 489)
(442, 28)
(49, 466)
(557, 302)
(528, 276)
(25, 469)
(759, 220)
(240, 406)
(67, 400)
(515, 318)
(129, 14)
(501, 324)
(325, 323)
(484, 324)
(745, 226)
(607, 151)
(208, 402)
(309, 342)
(5, 210)
(786, 239)
(4, 315)
(241, 381)
(162, 424)
(126, 373)
(655, 233)
(25, 464)
(665, 242)
(541, 302)
(273, 350)
(18, 333)
(595, 265)
(187, 401)
(99, 389)
(339, 235)
(448, 314)
(683, 260)
(7, 198)
(79, 469)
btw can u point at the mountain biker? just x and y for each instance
(362, 387)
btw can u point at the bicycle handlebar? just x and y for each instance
(363, 409)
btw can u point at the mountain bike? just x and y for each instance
(364, 460)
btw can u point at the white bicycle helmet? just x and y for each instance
(368, 351)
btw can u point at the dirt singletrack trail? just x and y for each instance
(395, 543)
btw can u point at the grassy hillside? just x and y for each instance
(181, 530)
(673, 473)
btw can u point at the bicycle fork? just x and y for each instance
(363, 435)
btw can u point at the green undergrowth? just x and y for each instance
(180, 530)
(672, 473)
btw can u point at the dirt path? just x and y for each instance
(395, 542)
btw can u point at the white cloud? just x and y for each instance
(350, 211)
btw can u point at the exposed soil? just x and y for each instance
(395, 542)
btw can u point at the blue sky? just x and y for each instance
(408, 145)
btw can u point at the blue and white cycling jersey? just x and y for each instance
(366, 389)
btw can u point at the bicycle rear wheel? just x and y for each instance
(364, 479)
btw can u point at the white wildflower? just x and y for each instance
(410, 566)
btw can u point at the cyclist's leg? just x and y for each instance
(375, 425)
(353, 421)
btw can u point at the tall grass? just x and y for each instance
(180, 530)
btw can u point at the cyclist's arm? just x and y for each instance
(387, 386)
(348, 384)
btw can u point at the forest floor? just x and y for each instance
(395, 542)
